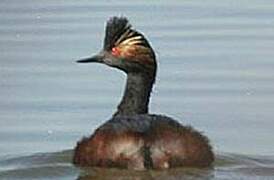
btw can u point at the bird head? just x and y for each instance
(125, 48)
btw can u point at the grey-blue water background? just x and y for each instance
(216, 73)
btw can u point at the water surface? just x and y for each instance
(215, 73)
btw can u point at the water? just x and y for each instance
(215, 73)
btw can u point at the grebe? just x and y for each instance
(132, 138)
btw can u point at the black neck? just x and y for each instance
(136, 96)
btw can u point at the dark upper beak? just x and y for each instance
(96, 58)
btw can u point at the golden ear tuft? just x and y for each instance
(115, 28)
(123, 41)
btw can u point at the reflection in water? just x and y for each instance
(58, 166)
(147, 175)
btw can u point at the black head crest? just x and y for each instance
(118, 30)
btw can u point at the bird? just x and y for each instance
(133, 138)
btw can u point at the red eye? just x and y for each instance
(115, 51)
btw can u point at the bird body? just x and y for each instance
(144, 142)
(133, 138)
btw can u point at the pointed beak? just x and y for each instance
(96, 58)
